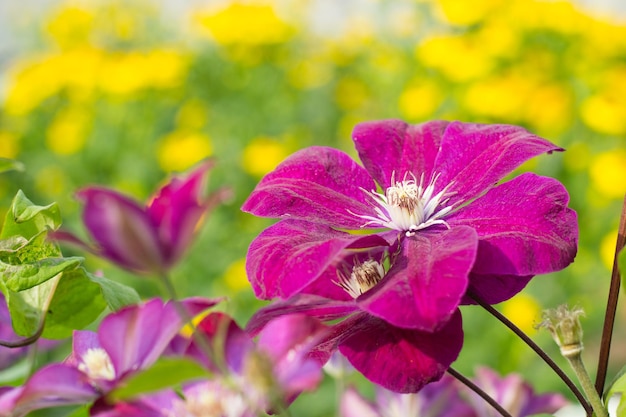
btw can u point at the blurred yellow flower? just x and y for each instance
(67, 133)
(605, 112)
(310, 73)
(419, 101)
(166, 68)
(70, 26)
(30, 82)
(523, 310)
(350, 93)
(608, 173)
(607, 249)
(548, 108)
(262, 155)
(235, 276)
(460, 58)
(181, 149)
(462, 12)
(501, 97)
(9, 145)
(245, 23)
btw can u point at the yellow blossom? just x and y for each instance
(502, 97)
(523, 310)
(605, 112)
(461, 12)
(235, 276)
(166, 68)
(67, 133)
(262, 155)
(30, 82)
(607, 249)
(70, 26)
(608, 173)
(419, 101)
(548, 107)
(181, 149)
(9, 145)
(245, 23)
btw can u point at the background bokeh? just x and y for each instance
(123, 93)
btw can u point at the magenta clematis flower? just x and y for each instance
(151, 238)
(442, 227)
(439, 399)
(255, 376)
(513, 394)
(127, 341)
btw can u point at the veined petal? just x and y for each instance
(393, 146)
(427, 280)
(317, 184)
(122, 229)
(494, 289)
(288, 256)
(524, 227)
(474, 157)
(402, 360)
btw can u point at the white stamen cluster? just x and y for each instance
(362, 278)
(97, 364)
(208, 403)
(409, 206)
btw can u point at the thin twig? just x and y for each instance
(465, 381)
(543, 355)
(611, 306)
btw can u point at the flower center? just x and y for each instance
(409, 206)
(211, 401)
(97, 364)
(362, 278)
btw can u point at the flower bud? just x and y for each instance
(564, 325)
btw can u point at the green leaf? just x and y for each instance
(618, 385)
(167, 372)
(77, 302)
(115, 295)
(25, 276)
(621, 407)
(10, 165)
(27, 219)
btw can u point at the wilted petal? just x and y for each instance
(473, 157)
(136, 336)
(176, 209)
(122, 229)
(524, 227)
(401, 360)
(288, 256)
(427, 280)
(389, 147)
(317, 184)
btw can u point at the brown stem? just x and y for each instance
(543, 355)
(611, 306)
(465, 381)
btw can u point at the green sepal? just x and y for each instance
(165, 373)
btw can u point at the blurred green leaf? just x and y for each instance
(10, 165)
(167, 372)
(25, 276)
(27, 219)
(116, 295)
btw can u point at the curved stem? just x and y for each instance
(543, 355)
(611, 306)
(25, 341)
(465, 381)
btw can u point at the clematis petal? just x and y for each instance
(524, 227)
(494, 289)
(473, 157)
(317, 184)
(401, 360)
(393, 147)
(312, 305)
(82, 341)
(426, 282)
(288, 256)
(135, 336)
(124, 232)
(51, 386)
(177, 208)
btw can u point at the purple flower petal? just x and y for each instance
(473, 157)
(354, 405)
(524, 227)
(493, 289)
(402, 360)
(317, 184)
(122, 229)
(289, 255)
(177, 208)
(82, 341)
(426, 282)
(393, 147)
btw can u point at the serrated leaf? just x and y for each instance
(165, 373)
(10, 165)
(25, 276)
(76, 303)
(27, 219)
(115, 295)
